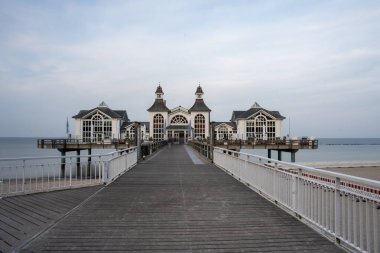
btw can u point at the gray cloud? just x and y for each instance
(316, 62)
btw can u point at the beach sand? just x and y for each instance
(371, 172)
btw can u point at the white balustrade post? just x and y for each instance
(299, 194)
(337, 207)
(126, 160)
(294, 192)
(23, 175)
(71, 173)
(376, 208)
(275, 186)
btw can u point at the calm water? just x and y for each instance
(27, 147)
(363, 149)
(334, 149)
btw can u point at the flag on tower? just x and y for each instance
(67, 126)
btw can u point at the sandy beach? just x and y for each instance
(371, 172)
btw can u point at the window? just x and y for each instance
(158, 127)
(199, 126)
(178, 119)
(131, 133)
(86, 130)
(260, 127)
(97, 128)
(107, 129)
(223, 133)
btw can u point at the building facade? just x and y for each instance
(128, 131)
(100, 124)
(254, 123)
(179, 124)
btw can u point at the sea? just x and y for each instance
(329, 149)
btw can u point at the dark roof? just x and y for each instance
(251, 111)
(199, 106)
(159, 89)
(112, 113)
(236, 114)
(199, 90)
(231, 124)
(158, 106)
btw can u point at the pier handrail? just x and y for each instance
(35, 174)
(342, 207)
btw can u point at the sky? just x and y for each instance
(316, 62)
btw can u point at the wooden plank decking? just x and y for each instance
(24, 217)
(170, 204)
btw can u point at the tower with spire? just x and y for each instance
(158, 115)
(179, 124)
(200, 116)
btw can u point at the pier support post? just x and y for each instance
(269, 153)
(89, 163)
(279, 155)
(63, 163)
(293, 156)
(78, 162)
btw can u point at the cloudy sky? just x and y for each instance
(317, 62)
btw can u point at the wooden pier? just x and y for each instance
(279, 145)
(68, 145)
(174, 201)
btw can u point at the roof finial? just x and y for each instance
(159, 83)
(199, 84)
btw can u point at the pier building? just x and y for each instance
(255, 123)
(128, 130)
(100, 124)
(179, 124)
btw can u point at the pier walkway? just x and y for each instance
(176, 202)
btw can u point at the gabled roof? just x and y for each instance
(252, 111)
(231, 124)
(236, 114)
(115, 114)
(179, 109)
(199, 106)
(127, 124)
(158, 106)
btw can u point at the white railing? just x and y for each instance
(38, 174)
(342, 207)
(120, 164)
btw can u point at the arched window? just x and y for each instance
(158, 127)
(260, 127)
(178, 119)
(131, 133)
(199, 126)
(222, 133)
(97, 128)
(97, 122)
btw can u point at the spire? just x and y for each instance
(199, 105)
(199, 92)
(102, 104)
(159, 104)
(256, 105)
(159, 92)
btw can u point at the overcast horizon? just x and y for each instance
(316, 62)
